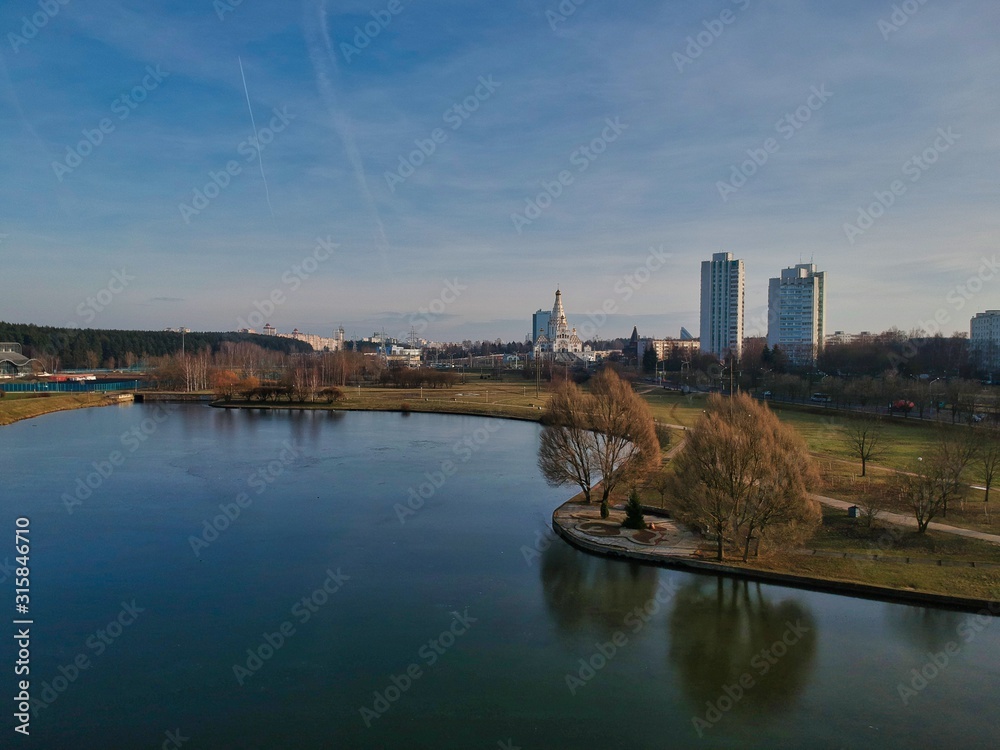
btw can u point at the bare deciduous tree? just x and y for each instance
(938, 478)
(566, 453)
(863, 437)
(743, 475)
(624, 433)
(988, 459)
(607, 433)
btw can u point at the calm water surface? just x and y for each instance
(455, 621)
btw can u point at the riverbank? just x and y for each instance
(669, 544)
(14, 408)
(507, 402)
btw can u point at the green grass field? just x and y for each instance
(14, 407)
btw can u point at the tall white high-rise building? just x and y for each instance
(984, 339)
(796, 313)
(723, 280)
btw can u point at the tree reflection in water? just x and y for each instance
(586, 590)
(723, 630)
(924, 628)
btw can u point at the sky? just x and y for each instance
(444, 166)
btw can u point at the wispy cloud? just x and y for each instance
(655, 186)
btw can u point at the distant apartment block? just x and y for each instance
(842, 337)
(796, 313)
(666, 348)
(540, 324)
(723, 283)
(984, 339)
(318, 343)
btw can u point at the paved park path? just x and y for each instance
(910, 521)
(896, 518)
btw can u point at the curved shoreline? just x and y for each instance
(686, 563)
(573, 537)
(54, 405)
(414, 409)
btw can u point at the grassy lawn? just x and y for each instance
(842, 534)
(904, 439)
(14, 409)
(845, 483)
(972, 582)
(486, 397)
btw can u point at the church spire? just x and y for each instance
(558, 314)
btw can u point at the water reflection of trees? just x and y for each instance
(585, 590)
(722, 629)
(924, 628)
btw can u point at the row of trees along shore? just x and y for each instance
(247, 372)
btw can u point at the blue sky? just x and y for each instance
(553, 82)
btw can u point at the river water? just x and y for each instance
(252, 579)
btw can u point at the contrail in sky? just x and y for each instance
(260, 158)
(324, 60)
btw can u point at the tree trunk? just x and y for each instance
(863, 465)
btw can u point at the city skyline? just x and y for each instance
(399, 154)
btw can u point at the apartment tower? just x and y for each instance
(723, 280)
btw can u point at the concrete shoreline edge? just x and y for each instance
(412, 410)
(826, 585)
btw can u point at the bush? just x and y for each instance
(405, 407)
(331, 394)
(633, 512)
(663, 436)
